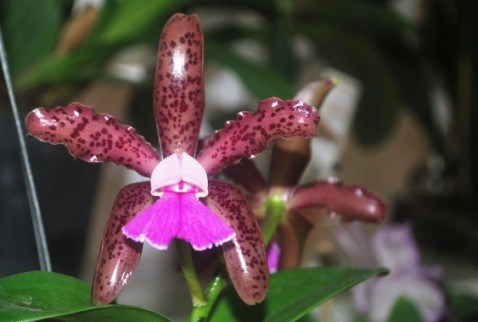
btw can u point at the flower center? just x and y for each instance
(179, 173)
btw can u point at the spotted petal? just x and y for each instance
(250, 133)
(294, 154)
(179, 86)
(245, 254)
(179, 215)
(92, 137)
(350, 202)
(119, 255)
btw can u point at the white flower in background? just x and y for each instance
(393, 246)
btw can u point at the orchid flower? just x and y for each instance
(392, 246)
(180, 200)
(295, 207)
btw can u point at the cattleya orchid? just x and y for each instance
(180, 200)
(291, 209)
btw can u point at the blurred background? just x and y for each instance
(401, 121)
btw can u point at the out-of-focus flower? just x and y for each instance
(298, 206)
(170, 205)
(392, 246)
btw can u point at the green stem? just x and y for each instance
(275, 209)
(189, 272)
(201, 313)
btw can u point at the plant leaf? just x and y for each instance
(262, 81)
(41, 295)
(121, 24)
(30, 28)
(464, 307)
(358, 56)
(123, 21)
(292, 294)
(405, 310)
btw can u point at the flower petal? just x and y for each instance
(203, 228)
(395, 248)
(177, 169)
(351, 202)
(92, 137)
(425, 294)
(294, 154)
(314, 93)
(245, 254)
(292, 235)
(158, 224)
(179, 215)
(179, 85)
(119, 255)
(273, 256)
(250, 133)
(246, 174)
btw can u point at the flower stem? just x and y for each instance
(275, 208)
(189, 272)
(201, 313)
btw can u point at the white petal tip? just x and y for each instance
(215, 244)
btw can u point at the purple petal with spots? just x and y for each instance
(350, 202)
(92, 137)
(250, 133)
(245, 254)
(294, 154)
(179, 86)
(119, 255)
(179, 215)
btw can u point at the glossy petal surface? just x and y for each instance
(179, 86)
(179, 215)
(250, 133)
(119, 255)
(245, 254)
(350, 202)
(92, 137)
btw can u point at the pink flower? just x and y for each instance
(180, 201)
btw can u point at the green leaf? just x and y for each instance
(464, 307)
(30, 28)
(292, 294)
(307, 318)
(281, 52)
(358, 56)
(128, 20)
(261, 81)
(405, 310)
(41, 295)
(121, 24)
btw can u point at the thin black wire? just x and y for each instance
(39, 231)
